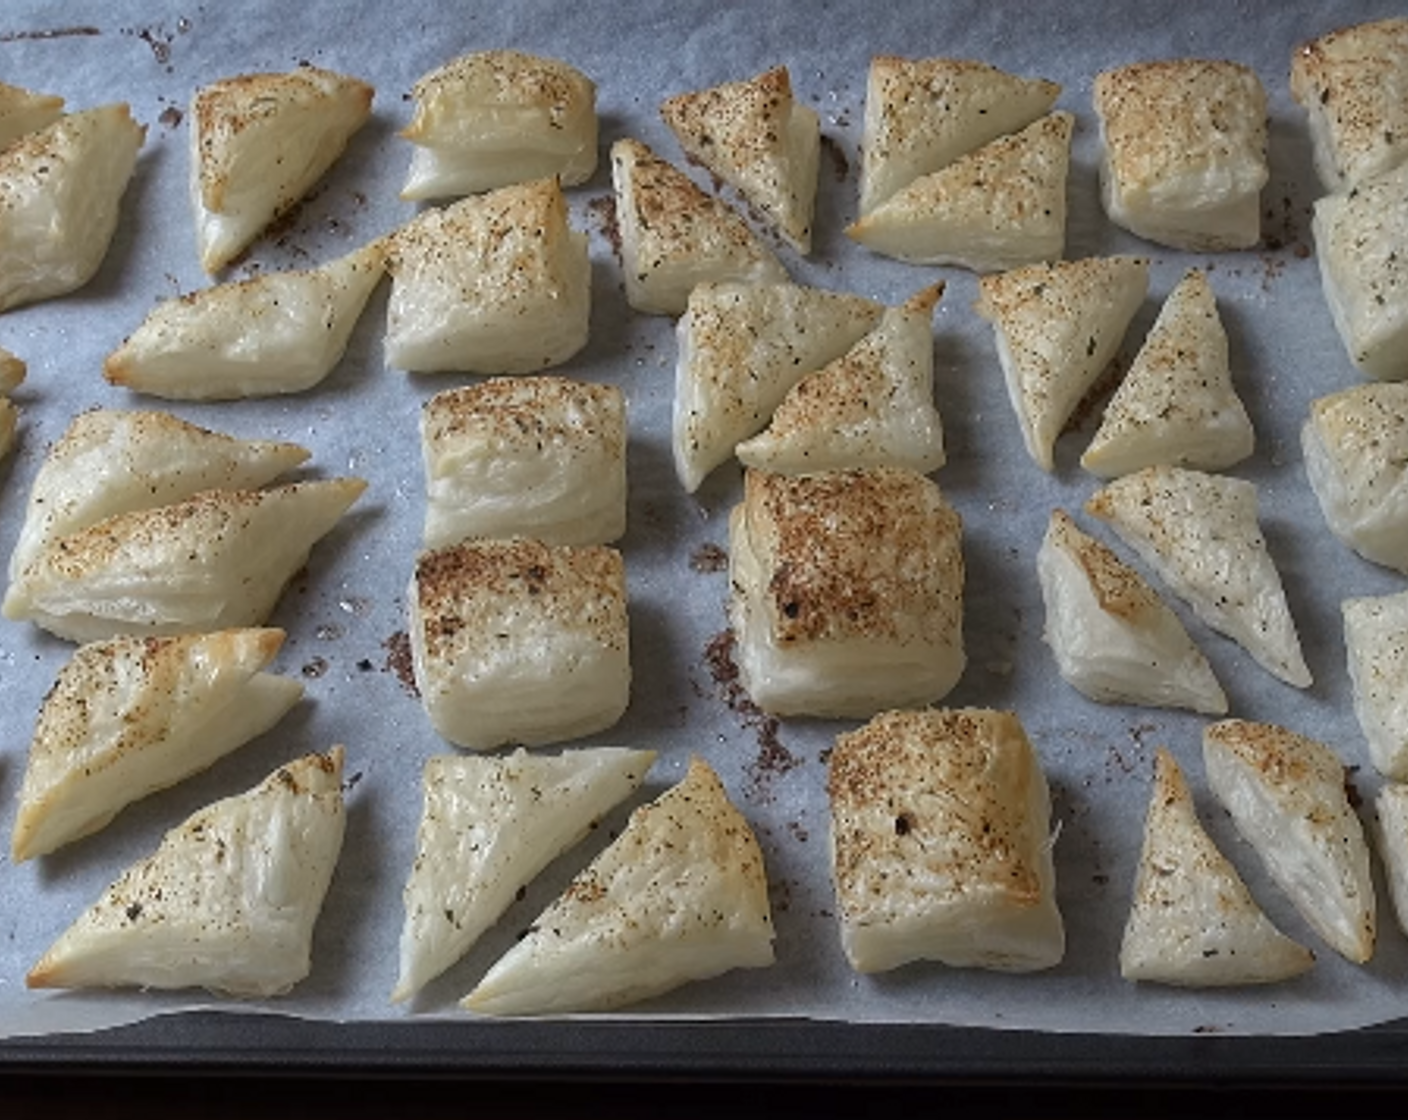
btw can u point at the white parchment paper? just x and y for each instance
(345, 613)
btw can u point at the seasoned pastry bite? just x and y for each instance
(12, 371)
(1376, 648)
(61, 191)
(488, 825)
(680, 896)
(9, 418)
(1199, 533)
(494, 283)
(130, 716)
(280, 332)
(23, 111)
(674, 235)
(1353, 85)
(923, 114)
(1391, 839)
(755, 136)
(941, 843)
(1286, 794)
(491, 118)
(217, 560)
(1113, 638)
(516, 641)
(847, 592)
(1057, 326)
(541, 457)
(741, 347)
(1355, 445)
(258, 143)
(1192, 921)
(872, 407)
(228, 901)
(1176, 403)
(1184, 152)
(999, 207)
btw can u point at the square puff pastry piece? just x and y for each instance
(541, 457)
(23, 111)
(1192, 922)
(491, 118)
(1286, 794)
(279, 332)
(1200, 535)
(741, 347)
(61, 191)
(488, 825)
(1184, 152)
(1355, 445)
(1057, 326)
(755, 136)
(1353, 85)
(847, 592)
(258, 142)
(1376, 649)
(516, 641)
(494, 283)
(680, 896)
(941, 843)
(227, 902)
(1113, 638)
(674, 235)
(130, 716)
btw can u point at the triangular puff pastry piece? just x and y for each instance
(1286, 794)
(873, 407)
(23, 111)
(922, 114)
(1377, 658)
(130, 716)
(488, 825)
(681, 895)
(227, 902)
(1113, 638)
(996, 208)
(674, 235)
(258, 142)
(112, 461)
(280, 332)
(1057, 327)
(741, 347)
(1192, 921)
(61, 190)
(1176, 403)
(1200, 535)
(755, 136)
(1391, 839)
(217, 560)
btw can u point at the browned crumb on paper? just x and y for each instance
(840, 165)
(400, 662)
(708, 558)
(48, 33)
(773, 758)
(602, 211)
(315, 668)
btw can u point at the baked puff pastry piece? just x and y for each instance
(12, 371)
(1176, 403)
(217, 560)
(674, 235)
(1391, 839)
(61, 192)
(1192, 922)
(1113, 638)
(23, 111)
(1057, 326)
(741, 348)
(488, 825)
(227, 902)
(1286, 795)
(847, 591)
(1376, 649)
(872, 407)
(491, 118)
(679, 897)
(130, 716)
(941, 843)
(517, 641)
(1199, 533)
(999, 207)
(494, 283)
(1184, 152)
(9, 420)
(1353, 85)
(258, 143)
(279, 332)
